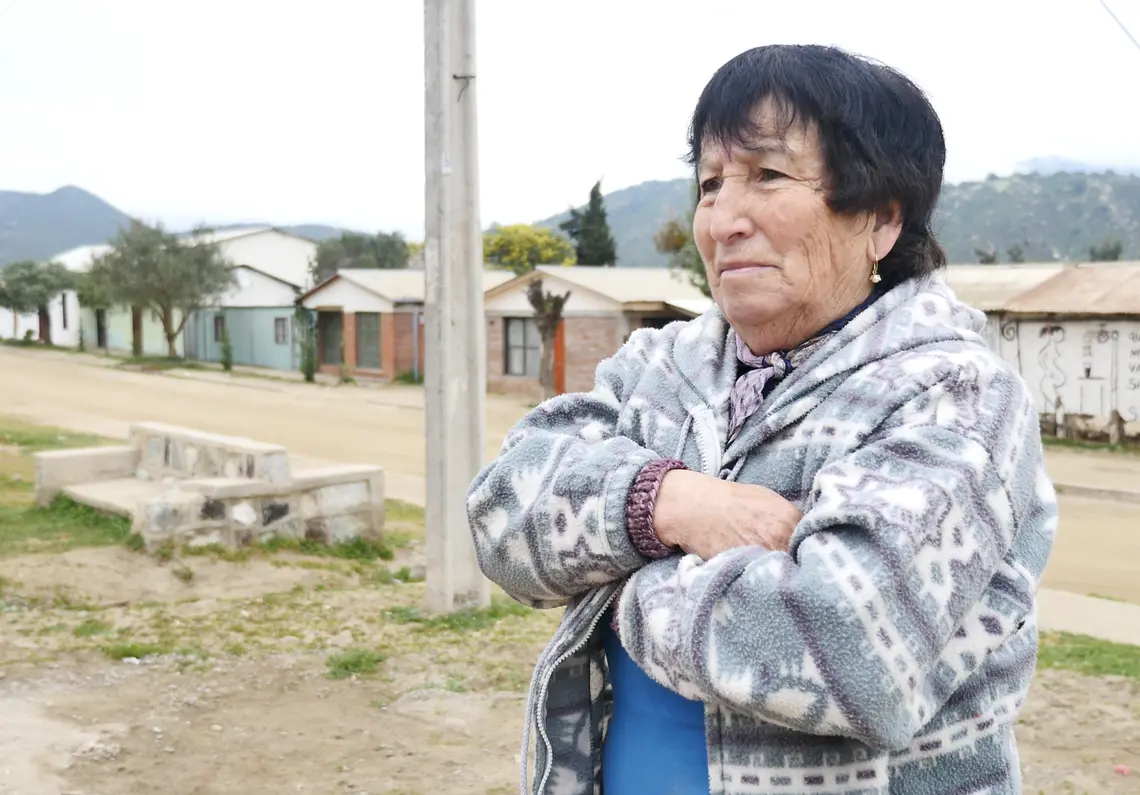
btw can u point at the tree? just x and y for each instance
(305, 332)
(352, 250)
(521, 248)
(13, 294)
(986, 256)
(1106, 252)
(1015, 253)
(30, 287)
(227, 350)
(547, 316)
(675, 239)
(149, 268)
(590, 231)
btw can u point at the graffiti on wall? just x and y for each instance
(1093, 367)
(1049, 359)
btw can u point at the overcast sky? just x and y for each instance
(290, 111)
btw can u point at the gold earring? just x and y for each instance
(875, 277)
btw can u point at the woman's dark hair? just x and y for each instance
(881, 139)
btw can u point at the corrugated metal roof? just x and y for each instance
(628, 285)
(989, 287)
(1100, 289)
(405, 285)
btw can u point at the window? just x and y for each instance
(368, 340)
(281, 330)
(523, 346)
(219, 327)
(63, 304)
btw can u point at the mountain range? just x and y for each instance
(37, 226)
(1056, 215)
(1057, 212)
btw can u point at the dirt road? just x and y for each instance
(350, 424)
(1098, 550)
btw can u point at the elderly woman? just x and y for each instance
(799, 537)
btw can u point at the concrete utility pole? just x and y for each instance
(454, 346)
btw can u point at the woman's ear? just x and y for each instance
(886, 231)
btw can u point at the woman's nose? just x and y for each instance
(729, 219)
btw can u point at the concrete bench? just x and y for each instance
(183, 487)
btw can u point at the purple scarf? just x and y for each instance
(749, 390)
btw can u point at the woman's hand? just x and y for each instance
(705, 516)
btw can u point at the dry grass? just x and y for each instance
(363, 614)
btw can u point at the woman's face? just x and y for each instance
(780, 263)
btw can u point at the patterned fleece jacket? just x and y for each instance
(887, 651)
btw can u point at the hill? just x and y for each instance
(37, 226)
(1055, 215)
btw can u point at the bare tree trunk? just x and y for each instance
(170, 333)
(45, 325)
(546, 363)
(136, 331)
(547, 316)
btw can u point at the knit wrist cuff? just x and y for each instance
(639, 508)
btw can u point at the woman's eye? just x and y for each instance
(767, 175)
(711, 185)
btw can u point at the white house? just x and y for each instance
(64, 310)
(272, 268)
(1076, 338)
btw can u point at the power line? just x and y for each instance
(1121, 25)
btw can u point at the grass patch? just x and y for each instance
(157, 363)
(409, 378)
(1128, 448)
(470, 619)
(38, 438)
(63, 525)
(1089, 656)
(353, 662)
(357, 549)
(385, 576)
(184, 573)
(90, 628)
(123, 651)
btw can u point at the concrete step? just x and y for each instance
(120, 497)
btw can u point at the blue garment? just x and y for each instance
(655, 744)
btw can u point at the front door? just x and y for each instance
(330, 332)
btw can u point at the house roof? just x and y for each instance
(398, 285)
(989, 287)
(1092, 289)
(79, 259)
(221, 236)
(224, 235)
(622, 285)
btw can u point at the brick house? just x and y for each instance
(372, 321)
(604, 306)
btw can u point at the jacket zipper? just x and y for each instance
(546, 683)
